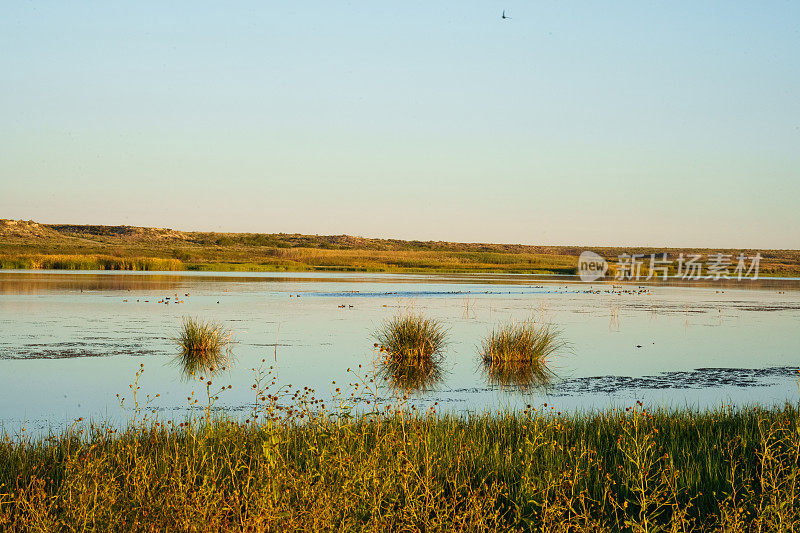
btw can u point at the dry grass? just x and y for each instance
(88, 262)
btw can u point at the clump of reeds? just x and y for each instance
(411, 337)
(205, 346)
(88, 262)
(411, 347)
(517, 353)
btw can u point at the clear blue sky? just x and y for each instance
(619, 123)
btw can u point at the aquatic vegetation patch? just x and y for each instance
(411, 352)
(412, 338)
(204, 345)
(524, 342)
(517, 354)
(699, 378)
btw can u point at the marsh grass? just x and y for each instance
(517, 354)
(411, 348)
(307, 469)
(89, 262)
(205, 346)
(412, 338)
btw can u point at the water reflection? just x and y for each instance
(523, 377)
(194, 367)
(37, 282)
(411, 376)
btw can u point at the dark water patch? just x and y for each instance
(781, 307)
(678, 309)
(669, 309)
(269, 344)
(700, 378)
(74, 350)
(413, 294)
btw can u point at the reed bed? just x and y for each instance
(310, 470)
(88, 262)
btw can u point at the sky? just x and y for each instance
(580, 123)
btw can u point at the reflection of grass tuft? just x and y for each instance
(418, 376)
(519, 376)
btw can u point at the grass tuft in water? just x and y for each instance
(204, 345)
(411, 337)
(517, 354)
(412, 348)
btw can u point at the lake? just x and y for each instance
(72, 341)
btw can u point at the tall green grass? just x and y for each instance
(311, 470)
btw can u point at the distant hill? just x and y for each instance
(26, 229)
(282, 240)
(28, 244)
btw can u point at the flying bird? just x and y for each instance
(504, 17)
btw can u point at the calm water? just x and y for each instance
(71, 341)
